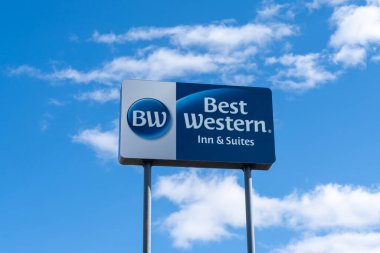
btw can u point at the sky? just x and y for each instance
(61, 67)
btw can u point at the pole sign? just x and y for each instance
(196, 125)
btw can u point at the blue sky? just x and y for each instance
(61, 66)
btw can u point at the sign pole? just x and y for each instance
(169, 124)
(147, 206)
(248, 209)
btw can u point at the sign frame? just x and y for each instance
(133, 87)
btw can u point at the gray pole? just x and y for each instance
(147, 207)
(248, 210)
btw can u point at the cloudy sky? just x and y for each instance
(61, 66)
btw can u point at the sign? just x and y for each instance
(196, 125)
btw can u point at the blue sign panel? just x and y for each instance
(198, 125)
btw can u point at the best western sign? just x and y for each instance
(197, 125)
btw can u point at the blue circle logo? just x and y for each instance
(149, 118)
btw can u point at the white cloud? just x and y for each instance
(105, 143)
(269, 11)
(336, 242)
(227, 38)
(357, 28)
(302, 72)
(350, 56)
(209, 206)
(315, 4)
(135, 34)
(46, 121)
(67, 74)
(356, 25)
(56, 102)
(213, 37)
(224, 50)
(240, 79)
(160, 64)
(373, 2)
(272, 11)
(100, 96)
(376, 58)
(27, 70)
(333, 207)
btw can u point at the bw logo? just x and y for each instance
(149, 118)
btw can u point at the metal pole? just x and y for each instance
(147, 207)
(248, 210)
